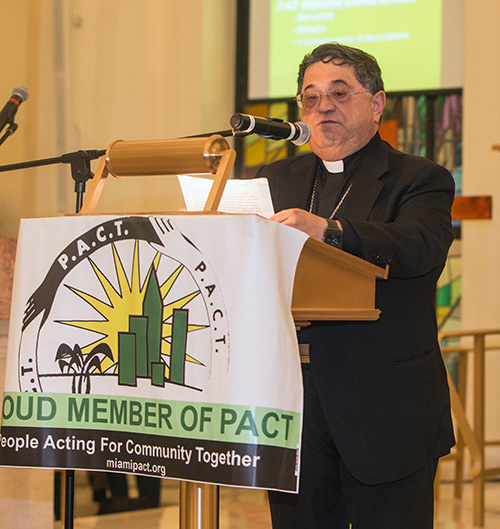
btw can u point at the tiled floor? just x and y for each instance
(248, 509)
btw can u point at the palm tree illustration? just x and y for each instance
(82, 366)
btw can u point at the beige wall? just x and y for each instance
(100, 71)
(481, 239)
(481, 163)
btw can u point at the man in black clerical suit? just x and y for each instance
(376, 401)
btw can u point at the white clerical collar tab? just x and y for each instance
(334, 167)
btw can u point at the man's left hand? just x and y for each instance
(302, 220)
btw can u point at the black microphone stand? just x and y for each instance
(80, 169)
(12, 128)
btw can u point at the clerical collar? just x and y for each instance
(334, 167)
(350, 161)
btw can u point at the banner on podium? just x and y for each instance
(161, 346)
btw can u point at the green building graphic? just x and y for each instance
(139, 349)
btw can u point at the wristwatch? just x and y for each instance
(333, 233)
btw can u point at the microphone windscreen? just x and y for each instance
(305, 134)
(21, 92)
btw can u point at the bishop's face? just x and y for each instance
(345, 121)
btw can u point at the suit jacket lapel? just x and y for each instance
(295, 189)
(298, 184)
(366, 184)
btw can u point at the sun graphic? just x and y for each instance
(133, 300)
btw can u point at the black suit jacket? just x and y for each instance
(383, 384)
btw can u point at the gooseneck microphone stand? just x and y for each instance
(80, 172)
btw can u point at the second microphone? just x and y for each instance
(298, 133)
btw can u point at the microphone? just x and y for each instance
(274, 129)
(19, 95)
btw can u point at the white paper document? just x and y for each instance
(240, 196)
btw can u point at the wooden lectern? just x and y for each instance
(333, 285)
(349, 295)
(329, 284)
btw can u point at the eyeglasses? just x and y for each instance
(309, 100)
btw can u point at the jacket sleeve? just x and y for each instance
(409, 227)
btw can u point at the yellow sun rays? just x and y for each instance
(128, 300)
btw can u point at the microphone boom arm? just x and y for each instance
(80, 168)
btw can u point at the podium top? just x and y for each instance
(333, 285)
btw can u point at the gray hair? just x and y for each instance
(366, 68)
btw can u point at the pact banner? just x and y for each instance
(156, 345)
